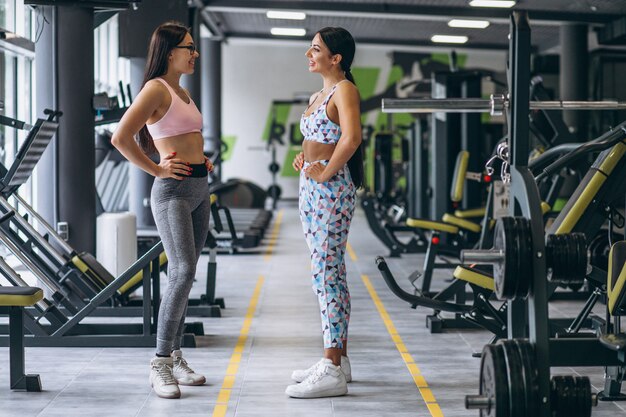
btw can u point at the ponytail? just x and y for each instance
(355, 163)
(348, 75)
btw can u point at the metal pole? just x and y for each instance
(525, 195)
(211, 65)
(42, 223)
(574, 82)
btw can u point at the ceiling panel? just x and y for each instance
(410, 22)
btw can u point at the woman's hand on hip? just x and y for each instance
(208, 164)
(298, 161)
(315, 171)
(171, 167)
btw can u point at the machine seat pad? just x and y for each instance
(470, 213)
(474, 276)
(463, 224)
(432, 225)
(20, 296)
(615, 342)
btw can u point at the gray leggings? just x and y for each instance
(181, 211)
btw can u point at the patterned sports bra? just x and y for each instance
(317, 127)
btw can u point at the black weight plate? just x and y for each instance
(557, 399)
(526, 250)
(557, 258)
(531, 376)
(505, 272)
(574, 258)
(584, 396)
(581, 258)
(572, 398)
(517, 243)
(563, 396)
(570, 267)
(514, 368)
(493, 382)
(599, 249)
(499, 242)
(553, 256)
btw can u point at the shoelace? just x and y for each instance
(164, 373)
(317, 374)
(181, 363)
(314, 367)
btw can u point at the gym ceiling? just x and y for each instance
(414, 22)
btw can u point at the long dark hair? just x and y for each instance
(163, 41)
(339, 41)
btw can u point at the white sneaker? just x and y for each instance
(161, 378)
(301, 374)
(183, 373)
(327, 380)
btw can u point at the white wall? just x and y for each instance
(257, 72)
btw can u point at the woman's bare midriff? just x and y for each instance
(315, 151)
(188, 147)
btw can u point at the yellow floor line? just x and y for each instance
(274, 237)
(351, 253)
(233, 366)
(418, 378)
(223, 397)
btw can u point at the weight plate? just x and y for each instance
(525, 275)
(581, 258)
(514, 371)
(583, 392)
(505, 272)
(493, 381)
(567, 258)
(563, 399)
(572, 399)
(599, 249)
(572, 261)
(555, 253)
(531, 376)
(517, 243)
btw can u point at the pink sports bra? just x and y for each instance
(179, 119)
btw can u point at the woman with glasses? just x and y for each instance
(331, 169)
(167, 122)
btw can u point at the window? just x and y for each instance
(16, 81)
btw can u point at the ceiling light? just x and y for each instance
(493, 3)
(449, 39)
(470, 24)
(288, 32)
(277, 14)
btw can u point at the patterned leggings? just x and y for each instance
(326, 211)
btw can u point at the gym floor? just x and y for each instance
(271, 327)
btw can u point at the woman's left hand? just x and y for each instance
(315, 171)
(208, 164)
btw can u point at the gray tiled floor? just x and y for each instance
(284, 335)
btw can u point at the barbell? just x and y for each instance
(495, 105)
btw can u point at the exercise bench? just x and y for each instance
(12, 302)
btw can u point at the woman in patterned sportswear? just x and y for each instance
(331, 169)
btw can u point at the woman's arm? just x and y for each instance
(347, 102)
(145, 104)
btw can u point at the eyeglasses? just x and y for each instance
(192, 48)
